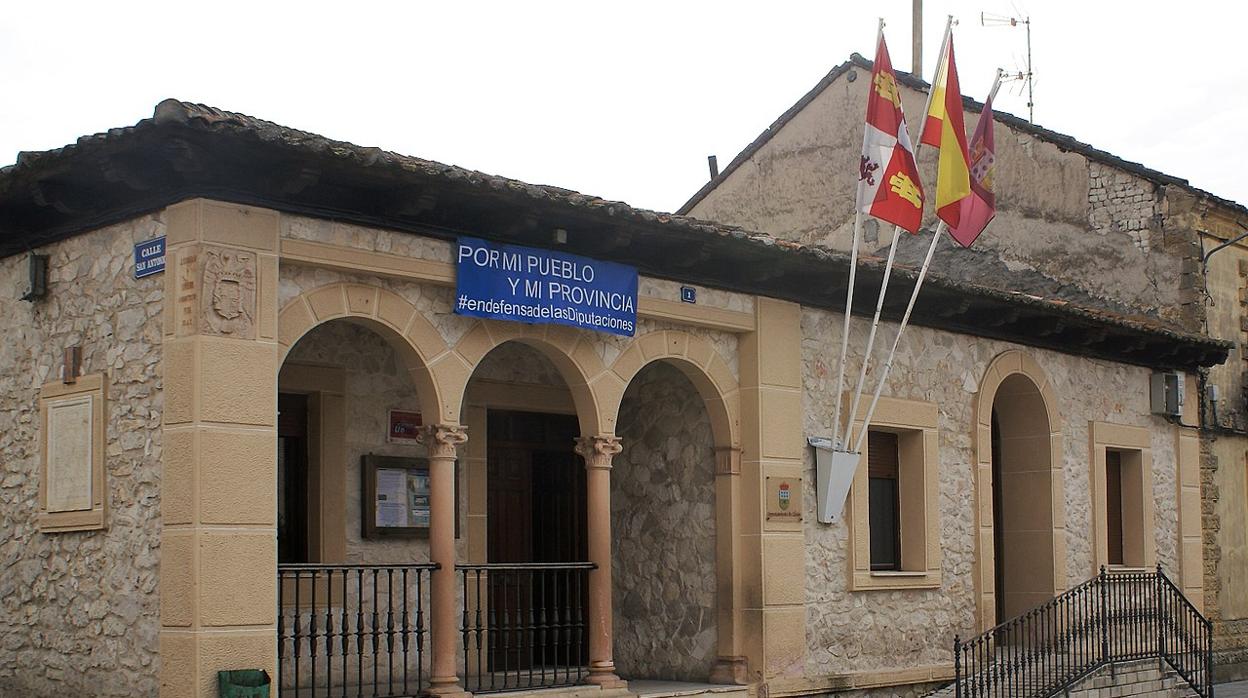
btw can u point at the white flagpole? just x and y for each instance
(892, 253)
(875, 324)
(849, 300)
(888, 364)
(879, 388)
(996, 85)
(849, 294)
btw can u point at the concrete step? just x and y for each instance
(645, 688)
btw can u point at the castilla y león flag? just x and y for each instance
(888, 180)
(945, 128)
(979, 208)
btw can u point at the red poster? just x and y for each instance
(404, 426)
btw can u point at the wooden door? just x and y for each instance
(536, 513)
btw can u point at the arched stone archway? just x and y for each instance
(431, 367)
(714, 382)
(702, 365)
(570, 351)
(1021, 528)
(415, 339)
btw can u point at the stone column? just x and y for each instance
(218, 548)
(598, 452)
(441, 440)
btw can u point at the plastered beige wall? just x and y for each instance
(1231, 480)
(1225, 311)
(1058, 215)
(79, 611)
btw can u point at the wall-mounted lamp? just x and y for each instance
(38, 265)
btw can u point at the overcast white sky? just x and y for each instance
(622, 100)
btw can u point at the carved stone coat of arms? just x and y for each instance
(229, 292)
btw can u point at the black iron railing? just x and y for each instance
(1113, 617)
(524, 625)
(352, 630)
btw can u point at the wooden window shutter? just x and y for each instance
(884, 500)
(882, 459)
(1113, 505)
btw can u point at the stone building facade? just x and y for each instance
(81, 611)
(328, 271)
(1074, 223)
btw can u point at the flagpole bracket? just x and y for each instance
(834, 473)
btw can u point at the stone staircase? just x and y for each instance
(1145, 677)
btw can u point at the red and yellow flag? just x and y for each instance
(945, 128)
(888, 179)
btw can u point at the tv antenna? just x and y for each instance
(991, 20)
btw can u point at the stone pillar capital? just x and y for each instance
(441, 439)
(598, 450)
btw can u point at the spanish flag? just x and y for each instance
(945, 128)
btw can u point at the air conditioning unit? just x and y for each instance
(1166, 393)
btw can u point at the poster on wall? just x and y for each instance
(391, 498)
(395, 496)
(527, 284)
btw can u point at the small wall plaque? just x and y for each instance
(784, 499)
(404, 426)
(73, 494)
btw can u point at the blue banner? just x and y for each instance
(149, 257)
(525, 284)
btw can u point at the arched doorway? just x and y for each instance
(352, 355)
(348, 546)
(526, 573)
(1021, 515)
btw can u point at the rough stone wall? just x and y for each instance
(848, 631)
(79, 612)
(1048, 200)
(1121, 202)
(663, 524)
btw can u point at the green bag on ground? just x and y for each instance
(243, 683)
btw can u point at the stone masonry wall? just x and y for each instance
(79, 612)
(1121, 202)
(1048, 201)
(868, 630)
(663, 525)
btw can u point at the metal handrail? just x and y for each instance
(1110, 618)
(318, 566)
(487, 566)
